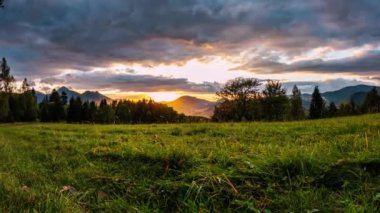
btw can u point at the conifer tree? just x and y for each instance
(6, 79)
(371, 102)
(296, 108)
(332, 110)
(317, 105)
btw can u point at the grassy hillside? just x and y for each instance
(325, 165)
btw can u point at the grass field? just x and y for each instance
(308, 166)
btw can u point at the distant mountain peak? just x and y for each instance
(86, 96)
(194, 106)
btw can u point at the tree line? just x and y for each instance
(20, 105)
(242, 99)
(56, 108)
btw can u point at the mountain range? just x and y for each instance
(198, 107)
(86, 96)
(357, 93)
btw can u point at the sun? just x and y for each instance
(163, 96)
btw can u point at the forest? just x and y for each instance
(241, 99)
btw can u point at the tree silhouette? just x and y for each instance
(332, 110)
(371, 102)
(317, 105)
(6, 79)
(275, 102)
(296, 109)
(238, 94)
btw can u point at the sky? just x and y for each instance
(168, 48)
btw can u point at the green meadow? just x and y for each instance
(307, 166)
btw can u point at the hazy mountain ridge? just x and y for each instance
(192, 106)
(344, 95)
(86, 96)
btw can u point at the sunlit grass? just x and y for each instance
(325, 165)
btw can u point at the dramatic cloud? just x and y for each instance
(364, 64)
(46, 38)
(129, 82)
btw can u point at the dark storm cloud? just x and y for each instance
(130, 82)
(41, 37)
(365, 64)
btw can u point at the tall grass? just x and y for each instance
(309, 166)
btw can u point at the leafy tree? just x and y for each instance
(317, 105)
(275, 101)
(297, 111)
(237, 94)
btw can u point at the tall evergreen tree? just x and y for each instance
(332, 110)
(58, 110)
(93, 111)
(25, 86)
(372, 101)
(296, 109)
(64, 98)
(105, 113)
(6, 79)
(317, 105)
(4, 107)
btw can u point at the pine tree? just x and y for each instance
(6, 78)
(296, 108)
(93, 111)
(317, 105)
(64, 98)
(70, 111)
(371, 102)
(25, 86)
(105, 113)
(58, 110)
(332, 110)
(4, 107)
